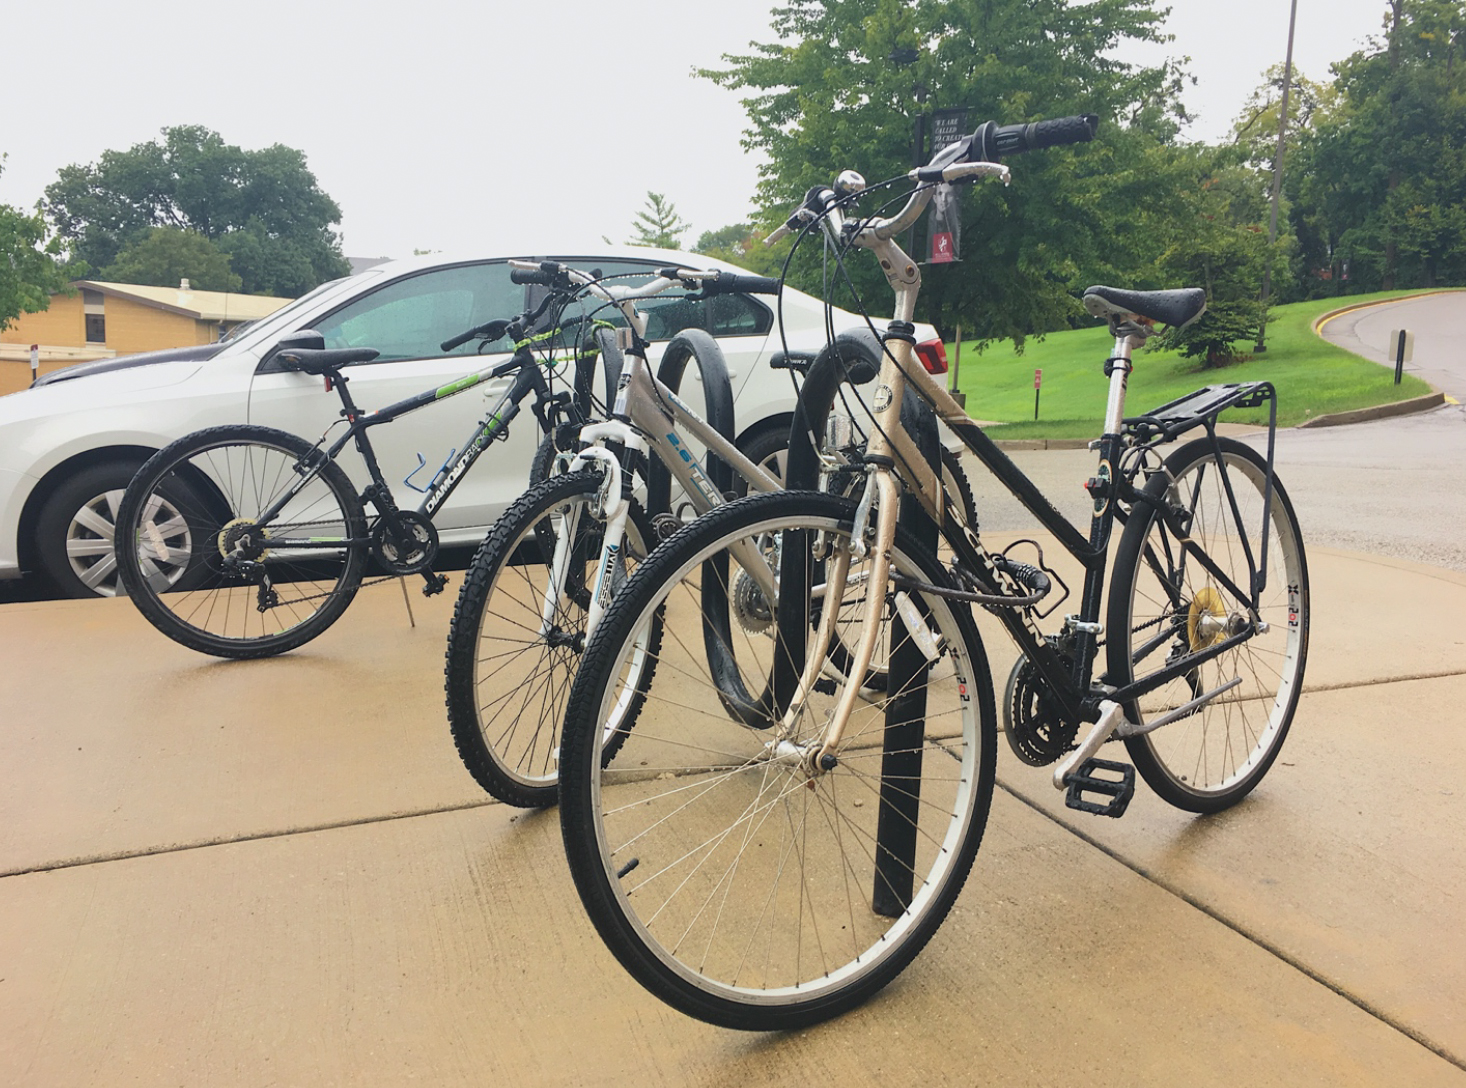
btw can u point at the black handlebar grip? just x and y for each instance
(1012, 139)
(492, 331)
(525, 275)
(730, 282)
(1063, 130)
(455, 341)
(991, 142)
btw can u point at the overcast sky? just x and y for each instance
(491, 127)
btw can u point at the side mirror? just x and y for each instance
(307, 339)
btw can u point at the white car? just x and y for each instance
(70, 444)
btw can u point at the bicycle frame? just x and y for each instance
(890, 446)
(648, 417)
(495, 422)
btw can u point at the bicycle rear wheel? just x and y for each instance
(208, 575)
(511, 656)
(729, 881)
(1164, 604)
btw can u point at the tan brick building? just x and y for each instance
(103, 320)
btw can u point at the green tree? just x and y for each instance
(166, 255)
(828, 95)
(729, 243)
(1221, 244)
(659, 226)
(1255, 130)
(30, 271)
(1378, 190)
(263, 207)
(741, 244)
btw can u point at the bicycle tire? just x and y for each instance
(689, 782)
(228, 476)
(1212, 758)
(506, 679)
(769, 449)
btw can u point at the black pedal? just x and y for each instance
(1086, 778)
(436, 583)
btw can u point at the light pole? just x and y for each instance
(1272, 232)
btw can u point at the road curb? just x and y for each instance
(1379, 411)
(1323, 319)
(1042, 443)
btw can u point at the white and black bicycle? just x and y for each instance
(546, 572)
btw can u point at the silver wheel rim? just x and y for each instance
(961, 745)
(91, 539)
(1213, 751)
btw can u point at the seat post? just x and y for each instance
(336, 380)
(1118, 368)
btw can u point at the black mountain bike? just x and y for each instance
(249, 541)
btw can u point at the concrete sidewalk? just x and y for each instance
(277, 872)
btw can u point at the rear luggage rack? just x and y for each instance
(1195, 409)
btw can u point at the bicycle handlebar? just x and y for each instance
(991, 140)
(493, 330)
(971, 157)
(728, 283)
(490, 331)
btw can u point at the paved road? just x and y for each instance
(1394, 487)
(1439, 324)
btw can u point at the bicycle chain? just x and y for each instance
(364, 584)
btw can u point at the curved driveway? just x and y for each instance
(1438, 322)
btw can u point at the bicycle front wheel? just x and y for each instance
(730, 880)
(1165, 603)
(211, 571)
(518, 632)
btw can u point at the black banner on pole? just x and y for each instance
(944, 225)
(948, 126)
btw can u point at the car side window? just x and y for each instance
(408, 318)
(722, 315)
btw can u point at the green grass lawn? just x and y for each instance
(1312, 377)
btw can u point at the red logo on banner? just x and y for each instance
(942, 247)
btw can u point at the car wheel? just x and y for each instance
(768, 448)
(75, 531)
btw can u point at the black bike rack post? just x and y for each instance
(694, 344)
(855, 357)
(905, 732)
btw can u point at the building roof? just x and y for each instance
(201, 305)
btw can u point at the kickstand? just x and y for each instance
(412, 622)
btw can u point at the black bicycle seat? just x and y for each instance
(321, 360)
(1175, 308)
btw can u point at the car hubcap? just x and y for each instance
(91, 542)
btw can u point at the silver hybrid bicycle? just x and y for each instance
(546, 572)
(765, 864)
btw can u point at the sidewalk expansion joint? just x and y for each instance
(258, 836)
(1252, 937)
(1403, 678)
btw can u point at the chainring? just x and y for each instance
(750, 605)
(404, 542)
(1032, 719)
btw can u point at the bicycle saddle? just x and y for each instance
(1175, 308)
(320, 360)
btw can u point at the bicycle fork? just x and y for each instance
(820, 757)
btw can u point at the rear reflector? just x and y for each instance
(933, 356)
